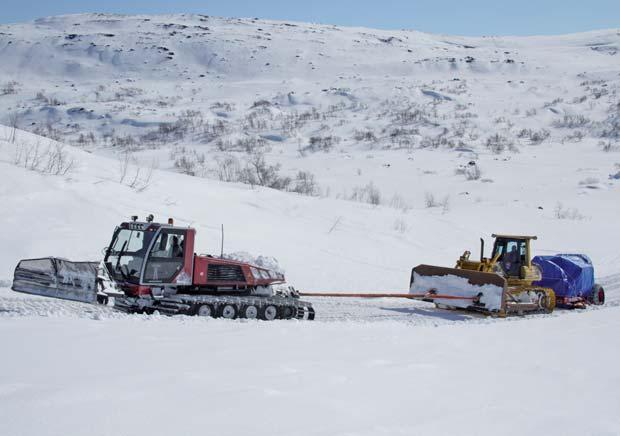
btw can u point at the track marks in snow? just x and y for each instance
(329, 310)
(18, 305)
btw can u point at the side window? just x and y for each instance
(522, 247)
(168, 245)
(166, 257)
(499, 248)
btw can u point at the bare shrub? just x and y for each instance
(83, 140)
(503, 120)
(124, 159)
(127, 141)
(366, 194)
(305, 184)
(576, 136)
(398, 202)
(411, 116)
(9, 88)
(193, 120)
(611, 126)
(53, 160)
(47, 100)
(553, 103)
(402, 137)
(210, 131)
(400, 225)
(257, 120)
(223, 106)
(430, 201)
(572, 122)
(535, 136)
(260, 103)
(436, 141)
(49, 131)
(321, 143)
(185, 165)
(142, 177)
(58, 161)
(188, 162)
(132, 174)
(445, 204)
(581, 99)
(128, 92)
(563, 213)
(172, 131)
(258, 172)
(228, 168)
(364, 135)
(251, 145)
(608, 146)
(498, 144)
(13, 123)
(28, 155)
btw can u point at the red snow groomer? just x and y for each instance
(151, 267)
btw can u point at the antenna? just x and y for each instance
(222, 250)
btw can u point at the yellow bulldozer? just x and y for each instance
(502, 284)
(509, 282)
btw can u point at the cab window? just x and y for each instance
(166, 258)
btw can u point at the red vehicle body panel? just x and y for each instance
(252, 275)
(203, 271)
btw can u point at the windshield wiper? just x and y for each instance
(118, 261)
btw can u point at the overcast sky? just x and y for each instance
(466, 17)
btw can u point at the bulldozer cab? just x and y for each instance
(513, 254)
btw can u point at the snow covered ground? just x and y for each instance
(406, 112)
(65, 372)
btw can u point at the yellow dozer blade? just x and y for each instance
(490, 293)
(460, 288)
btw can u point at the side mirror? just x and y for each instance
(104, 250)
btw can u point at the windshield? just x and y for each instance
(126, 254)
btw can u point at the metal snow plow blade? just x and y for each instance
(58, 278)
(459, 288)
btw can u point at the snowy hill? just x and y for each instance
(119, 75)
(350, 155)
(362, 114)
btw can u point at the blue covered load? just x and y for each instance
(569, 275)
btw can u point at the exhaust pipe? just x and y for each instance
(481, 249)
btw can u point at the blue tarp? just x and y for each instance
(569, 275)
